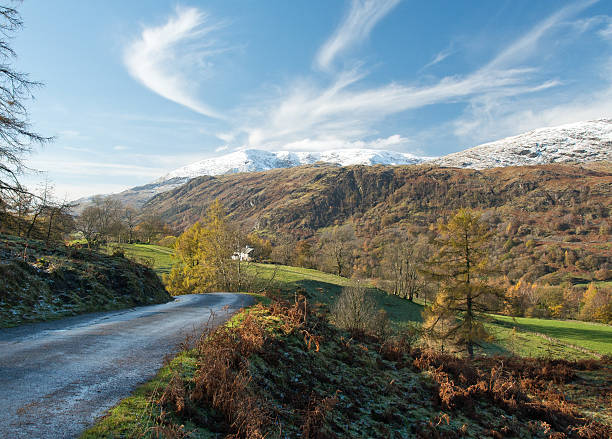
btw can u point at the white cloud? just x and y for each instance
(222, 148)
(120, 148)
(526, 46)
(226, 137)
(73, 192)
(496, 116)
(338, 111)
(69, 134)
(77, 149)
(163, 57)
(330, 143)
(94, 168)
(355, 28)
(440, 56)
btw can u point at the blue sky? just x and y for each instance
(134, 89)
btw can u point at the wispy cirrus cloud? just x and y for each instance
(340, 111)
(524, 48)
(346, 110)
(164, 58)
(354, 29)
(440, 56)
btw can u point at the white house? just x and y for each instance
(243, 255)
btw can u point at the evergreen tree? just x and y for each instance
(461, 265)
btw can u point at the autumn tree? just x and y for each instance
(262, 248)
(150, 227)
(303, 254)
(462, 266)
(596, 305)
(204, 253)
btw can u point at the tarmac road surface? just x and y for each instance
(57, 377)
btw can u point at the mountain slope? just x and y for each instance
(577, 142)
(306, 198)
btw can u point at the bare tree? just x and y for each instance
(338, 243)
(130, 221)
(401, 267)
(39, 204)
(100, 221)
(16, 135)
(59, 219)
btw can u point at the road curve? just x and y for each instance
(58, 377)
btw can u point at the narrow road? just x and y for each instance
(58, 377)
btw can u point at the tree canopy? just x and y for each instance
(461, 265)
(204, 253)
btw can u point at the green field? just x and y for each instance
(528, 337)
(592, 336)
(325, 288)
(161, 257)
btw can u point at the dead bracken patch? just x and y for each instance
(282, 371)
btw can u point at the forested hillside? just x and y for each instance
(308, 198)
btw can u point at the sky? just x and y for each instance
(135, 89)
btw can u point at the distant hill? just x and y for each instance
(255, 160)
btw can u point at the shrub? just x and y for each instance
(117, 251)
(603, 274)
(356, 311)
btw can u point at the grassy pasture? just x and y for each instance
(528, 337)
(593, 336)
(161, 257)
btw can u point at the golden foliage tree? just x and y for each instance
(204, 253)
(596, 305)
(462, 266)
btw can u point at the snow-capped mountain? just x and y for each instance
(576, 142)
(255, 160)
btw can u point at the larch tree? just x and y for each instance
(204, 253)
(462, 266)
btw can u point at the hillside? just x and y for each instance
(307, 198)
(39, 282)
(284, 371)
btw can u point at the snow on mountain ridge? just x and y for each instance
(575, 142)
(255, 160)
